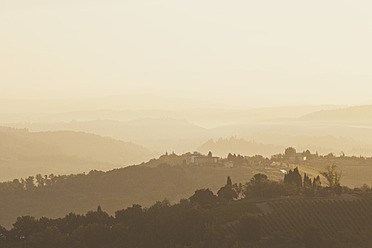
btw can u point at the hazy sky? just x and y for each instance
(251, 53)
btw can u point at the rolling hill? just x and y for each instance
(157, 134)
(347, 214)
(62, 152)
(352, 114)
(166, 177)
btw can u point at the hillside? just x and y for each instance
(62, 152)
(270, 222)
(157, 134)
(169, 177)
(112, 190)
(166, 177)
(347, 214)
(353, 114)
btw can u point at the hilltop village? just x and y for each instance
(288, 158)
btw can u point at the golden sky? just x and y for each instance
(250, 53)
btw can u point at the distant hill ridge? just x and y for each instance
(64, 152)
(351, 114)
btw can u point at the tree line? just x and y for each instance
(189, 223)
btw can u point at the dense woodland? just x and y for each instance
(253, 214)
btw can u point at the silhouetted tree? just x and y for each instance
(290, 152)
(30, 183)
(258, 178)
(25, 226)
(98, 217)
(333, 177)
(316, 183)
(260, 186)
(130, 215)
(39, 180)
(338, 189)
(3, 235)
(293, 177)
(204, 198)
(70, 223)
(229, 182)
(307, 181)
(92, 235)
(227, 193)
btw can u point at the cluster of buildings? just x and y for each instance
(200, 159)
(298, 157)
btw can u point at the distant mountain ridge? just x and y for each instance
(351, 114)
(195, 115)
(157, 134)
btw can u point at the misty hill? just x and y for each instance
(211, 117)
(352, 114)
(180, 135)
(157, 134)
(222, 147)
(62, 152)
(321, 137)
(112, 102)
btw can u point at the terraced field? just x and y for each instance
(331, 216)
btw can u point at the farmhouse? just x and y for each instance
(298, 157)
(200, 159)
